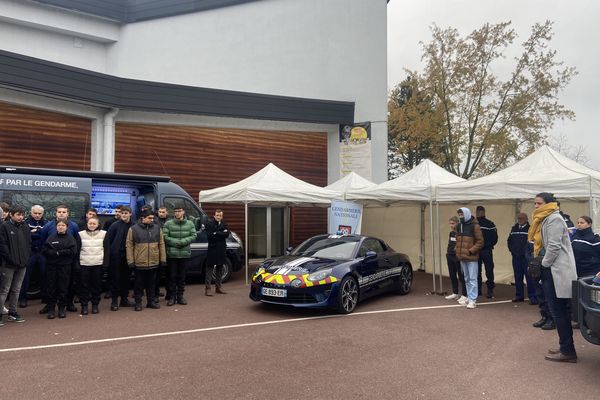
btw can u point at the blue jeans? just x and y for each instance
(520, 270)
(559, 310)
(470, 272)
(10, 287)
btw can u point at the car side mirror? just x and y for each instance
(288, 251)
(370, 255)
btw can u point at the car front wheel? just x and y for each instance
(347, 297)
(404, 280)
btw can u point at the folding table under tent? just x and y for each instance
(270, 186)
(415, 186)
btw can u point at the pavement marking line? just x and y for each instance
(224, 327)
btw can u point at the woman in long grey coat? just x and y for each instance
(550, 235)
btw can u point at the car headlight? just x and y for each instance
(319, 275)
(236, 238)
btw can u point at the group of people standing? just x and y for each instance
(564, 251)
(72, 258)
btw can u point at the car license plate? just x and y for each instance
(274, 292)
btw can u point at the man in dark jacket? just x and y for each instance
(145, 247)
(217, 233)
(517, 245)
(37, 261)
(49, 229)
(118, 271)
(179, 233)
(117, 217)
(15, 248)
(486, 256)
(469, 242)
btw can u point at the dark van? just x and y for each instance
(81, 190)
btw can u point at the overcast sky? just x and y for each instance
(576, 40)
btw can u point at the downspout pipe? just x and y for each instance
(108, 125)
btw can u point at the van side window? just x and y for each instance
(77, 202)
(192, 211)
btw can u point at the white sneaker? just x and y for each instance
(5, 310)
(471, 304)
(453, 296)
(463, 300)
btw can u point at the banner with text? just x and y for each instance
(355, 149)
(345, 217)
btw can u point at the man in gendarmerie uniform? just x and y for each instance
(118, 271)
(486, 256)
(37, 261)
(517, 245)
(146, 250)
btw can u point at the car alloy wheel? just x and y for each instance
(347, 295)
(405, 280)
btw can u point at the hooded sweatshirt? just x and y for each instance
(469, 240)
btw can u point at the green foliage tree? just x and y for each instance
(414, 127)
(487, 121)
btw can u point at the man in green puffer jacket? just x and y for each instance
(179, 233)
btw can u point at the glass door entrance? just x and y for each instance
(267, 231)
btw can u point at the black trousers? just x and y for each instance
(58, 277)
(145, 279)
(119, 274)
(177, 269)
(456, 274)
(541, 297)
(90, 286)
(486, 257)
(74, 282)
(160, 273)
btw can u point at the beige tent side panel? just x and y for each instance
(399, 226)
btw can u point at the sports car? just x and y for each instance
(332, 271)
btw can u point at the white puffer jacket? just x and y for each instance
(92, 248)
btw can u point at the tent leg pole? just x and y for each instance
(433, 263)
(437, 219)
(246, 238)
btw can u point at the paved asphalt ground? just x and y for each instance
(418, 346)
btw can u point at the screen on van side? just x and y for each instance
(105, 202)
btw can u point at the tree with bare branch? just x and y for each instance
(488, 121)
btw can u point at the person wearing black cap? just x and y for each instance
(486, 256)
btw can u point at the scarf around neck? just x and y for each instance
(535, 230)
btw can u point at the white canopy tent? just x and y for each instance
(267, 187)
(351, 181)
(545, 170)
(416, 186)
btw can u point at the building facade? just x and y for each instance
(204, 91)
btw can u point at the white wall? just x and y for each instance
(333, 50)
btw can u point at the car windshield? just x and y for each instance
(336, 247)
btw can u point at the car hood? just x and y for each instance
(297, 265)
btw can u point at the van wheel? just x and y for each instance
(227, 271)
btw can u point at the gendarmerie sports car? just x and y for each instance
(334, 271)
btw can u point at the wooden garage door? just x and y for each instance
(204, 158)
(34, 138)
